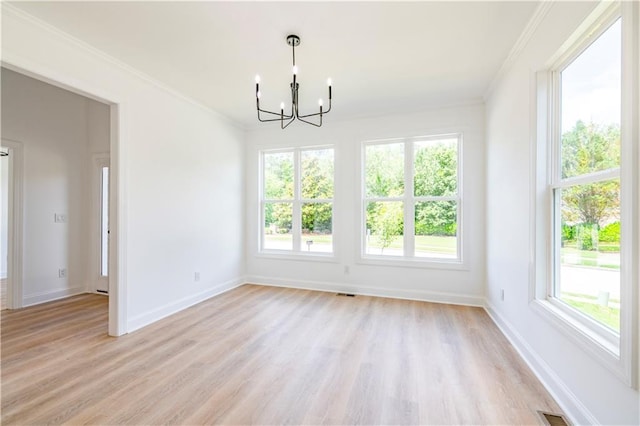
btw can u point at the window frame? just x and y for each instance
(297, 202)
(409, 200)
(616, 352)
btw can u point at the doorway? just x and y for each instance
(11, 223)
(109, 269)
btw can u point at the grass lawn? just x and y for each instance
(424, 243)
(604, 314)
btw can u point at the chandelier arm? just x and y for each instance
(267, 120)
(272, 113)
(310, 122)
(317, 113)
(284, 126)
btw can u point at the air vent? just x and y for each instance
(346, 294)
(550, 419)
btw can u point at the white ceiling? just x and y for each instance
(383, 57)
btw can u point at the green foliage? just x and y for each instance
(610, 233)
(317, 183)
(278, 215)
(436, 218)
(435, 174)
(384, 171)
(317, 174)
(435, 168)
(278, 176)
(316, 179)
(587, 149)
(388, 223)
(568, 232)
(587, 236)
(316, 218)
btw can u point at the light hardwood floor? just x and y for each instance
(265, 355)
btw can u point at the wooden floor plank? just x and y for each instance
(264, 355)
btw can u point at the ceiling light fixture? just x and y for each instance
(286, 119)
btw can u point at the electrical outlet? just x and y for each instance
(502, 294)
(60, 218)
(62, 273)
(196, 276)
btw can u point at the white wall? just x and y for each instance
(446, 285)
(587, 391)
(52, 125)
(179, 175)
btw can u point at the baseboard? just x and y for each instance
(572, 407)
(425, 296)
(48, 296)
(157, 314)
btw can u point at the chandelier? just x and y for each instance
(289, 117)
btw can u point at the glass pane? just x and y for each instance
(384, 170)
(317, 228)
(591, 103)
(436, 168)
(104, 223)
(436, 229)
(385, 228)
(277, 226)
(589, 264)
(278, 176)
(317, 173)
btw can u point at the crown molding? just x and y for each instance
(527, 33)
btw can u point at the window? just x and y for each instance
(587, 198)
(585, 184)
(297, 200)
(411, 198)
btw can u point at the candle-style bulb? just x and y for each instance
(257, 78)
(295, 70)
(320, 102)
(328, 82)
(281, 106)
(258, 94)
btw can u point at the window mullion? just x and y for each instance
(555, 130)
(296, 219)
(408, 205)
(555, 177)
(588, 178)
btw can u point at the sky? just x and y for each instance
(591, 84)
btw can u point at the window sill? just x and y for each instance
(407, 262)
(602, 350)
(297, 256)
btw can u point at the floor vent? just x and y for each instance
(103, 291)
(553, 419)
(346, 294)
